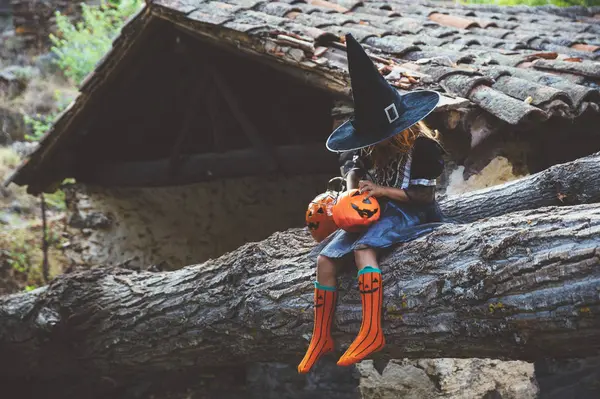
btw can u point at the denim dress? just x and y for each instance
(399, 222)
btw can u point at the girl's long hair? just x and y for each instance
(382, 153)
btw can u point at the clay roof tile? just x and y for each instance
(586, 47)
(454, 21)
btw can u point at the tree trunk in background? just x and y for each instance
(521, 286)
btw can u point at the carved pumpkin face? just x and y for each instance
(353, 211)
(319, 300)
(365, 288)
(319, 217)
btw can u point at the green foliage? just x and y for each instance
(22, 251)
(81, 45)
(56, 200)
(41, 123)
(23, 73)
(19, 246)
(560, 3)
(19, 260)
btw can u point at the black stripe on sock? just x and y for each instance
(320, 332)
(329, 318)
(370, 319)
(331, 310)
(375, 319)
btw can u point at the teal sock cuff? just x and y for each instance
(324, 287)
(368, 269)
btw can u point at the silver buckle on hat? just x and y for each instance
(395, 116)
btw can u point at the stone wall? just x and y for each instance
(184, 225)
(448, 378)
(407, 379)
(35, 19)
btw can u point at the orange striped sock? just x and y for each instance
(321, 341)
(370, 337)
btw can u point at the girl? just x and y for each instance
(390, 154)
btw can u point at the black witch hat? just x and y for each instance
(380, 112)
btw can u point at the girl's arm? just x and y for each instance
(352, 180)
(421, 194)
(417, 194)
(428, 164)
(395, 194)
(353, 168)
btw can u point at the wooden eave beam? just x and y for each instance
(294, 160)
(269, 158)
(199, 84)
(280, 117)
(213, 106)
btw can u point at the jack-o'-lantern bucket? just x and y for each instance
(319, 215)
(353, 211)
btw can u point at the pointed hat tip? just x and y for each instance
(349, 38)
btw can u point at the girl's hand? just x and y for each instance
(373, 190)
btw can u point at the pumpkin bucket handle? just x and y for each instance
(341, 183)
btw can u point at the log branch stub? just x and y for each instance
(571, 183)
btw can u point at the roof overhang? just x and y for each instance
(273, 48)
(481, 70)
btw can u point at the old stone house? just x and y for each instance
(204, 126)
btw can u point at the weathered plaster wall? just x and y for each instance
(178, 226)
(186, 224)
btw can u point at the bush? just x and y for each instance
(79, 46)
(41, 123)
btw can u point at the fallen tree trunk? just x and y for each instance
(521, 286)
(571, 183)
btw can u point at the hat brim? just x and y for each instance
(417, 105)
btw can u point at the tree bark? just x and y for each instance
(570, 183)
(521, 286)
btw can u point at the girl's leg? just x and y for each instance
(370, 337)
(324, 307)
(326, 271)
(365, 257)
